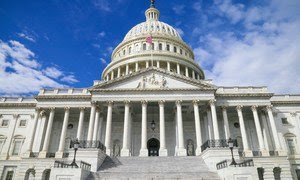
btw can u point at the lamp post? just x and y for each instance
(230, 144)
(152, 125)
(76, 146)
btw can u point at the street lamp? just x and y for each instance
(152, 125)
(230, 144)
(76, 146)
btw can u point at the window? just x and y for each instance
(2, 140)
(152, 46)
(124, 52)
(144, 46)
(9, 175)
(260, 172)
(160, 46)
(180, 51)
(17, 147)
(284, 121)
(168, 47)
(22, 123)
(129, 50)
(4, 123)
(175, 49)
(291, 146)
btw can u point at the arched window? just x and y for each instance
(144, 46)
(180, 51)
(124, 51)
(175, 49)
(168, 47)
(260, 172)
(277, 173)
(152, 46)
(46, 174)
(30, 174)
(129, 50)
(160, 46)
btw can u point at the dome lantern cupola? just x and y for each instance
(152, 14)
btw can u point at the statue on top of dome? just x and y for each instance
(152, 3)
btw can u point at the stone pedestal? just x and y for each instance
(144, 152)
(163, 152)
(248, 153)
(59, 154)
(26, 154)
(108, 152)
(282, 152)
(43, 154)
(125, 153)
(181, 152)
(265, 153)
(69, 173)
(198, 151)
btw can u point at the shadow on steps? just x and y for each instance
(109, 162)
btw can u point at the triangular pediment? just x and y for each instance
(153, 78)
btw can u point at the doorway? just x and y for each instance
(153, 147)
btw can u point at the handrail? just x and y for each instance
(84, 144)
(81, 164)
(219, 143)
(224, 164)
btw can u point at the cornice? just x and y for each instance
(150, 90)
(246, 95)
(41, 97)
(17, 104)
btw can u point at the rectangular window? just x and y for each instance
(291, 146)
(9, 175)
(17, 147)
(181, 51)
(168, 47)
(22, 123)
(284, 121)
(1, 144)
(175, 49)
(4, 123)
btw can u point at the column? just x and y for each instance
(266, 132)
(178, 68)
(61, 147)
(274, 131)
(259, 132)
(92, 121)
(181, 148)
(32, 134)
(226, 123)
(197, 127)
(43, 153)
(193, 74)
(80, 123)
(136, 66)
(96, 124)
(41, 131)
(144, 150)
(214, 119)
(209, 125)
(119, 72)
(157, 64)
(147, 64)
(125, 150)
(129, 133)
(127, 69)
(168, 66)
(112, 75)
(108, 128)
(107, 77)
(186, 71)
(243, 132)
(100, 129)
(162, 133)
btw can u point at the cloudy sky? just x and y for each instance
(63, 43)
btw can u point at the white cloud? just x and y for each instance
(261, 54)
(180, 31)
(69, 79)
(26, 36)
(179, 9)
(101, 34)
(20, 73)
(103, 5)
(103, 61)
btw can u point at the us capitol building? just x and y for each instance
(153, 100)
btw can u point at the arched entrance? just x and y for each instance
(153, 147)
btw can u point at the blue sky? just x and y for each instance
(62, 43)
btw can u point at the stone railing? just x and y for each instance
(84, 144)
(226, 163)
(64, 92)
(220, 143)
(79, 164)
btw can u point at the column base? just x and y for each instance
(108, 152)
(281, 152)
(26, 154)
(43, 154)
(144, 152)
(248, 153)
(265, 152)
(181, 152)
(125, 153)
(163, 152)
(59, 154)
(198, 151)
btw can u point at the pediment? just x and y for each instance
(153, 79)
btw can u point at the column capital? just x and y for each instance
(110, 103)
(254, 107)
(37, 109)
(161, 102)
(239, 107)
(127, 102)
(93, 103)
(15, 116)
(81, 108)
(178, 102)
(43, 113)
(224, 108)
(195, 102)
(52, 108)
(144, 102)
(32, 116)
(212, 102)
(67, 108)
(269, 107)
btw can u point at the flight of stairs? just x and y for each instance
(154, 168)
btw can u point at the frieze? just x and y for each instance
(152, 82)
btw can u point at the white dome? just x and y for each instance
(152, 27)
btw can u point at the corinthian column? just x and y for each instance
(162, 134)
(181, 149)
(108, 128)
(144, 150)
(197, 127)
(61, 147)
(226, 123)
(125, 150)
(80, 124)
(243, 131)
(259, 132)
(92, 121)
(96, 124)
(214, 119)
(44, 151)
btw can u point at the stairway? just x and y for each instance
(154, 168)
